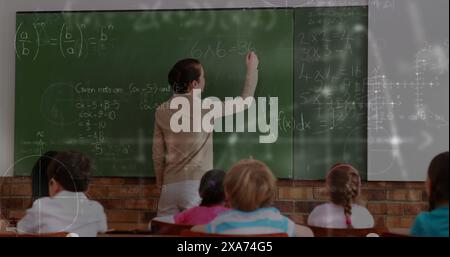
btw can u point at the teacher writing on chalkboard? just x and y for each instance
(181, 158)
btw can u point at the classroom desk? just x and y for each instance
(400, 231)
(142, 233)
(133, 235)
(395, 231)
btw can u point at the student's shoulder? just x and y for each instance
(322, 208)
(43, 201)
(356, 208)
(363, 215)
(419, 224)
(220, 209)
(315, 218)
(96, 205)
(187, 212)
(42, 205)
(422, 217)
(229, 214)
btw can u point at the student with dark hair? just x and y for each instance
(213, 200)
(181, 158)
(39, 179)
(434, 223)
(67, 209)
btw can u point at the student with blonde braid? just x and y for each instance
(344, 187)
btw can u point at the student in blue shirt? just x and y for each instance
(434, 223)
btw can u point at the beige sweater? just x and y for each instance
(186, 155)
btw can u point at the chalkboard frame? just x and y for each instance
(292, 175)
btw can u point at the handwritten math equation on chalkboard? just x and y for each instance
(206, 21)
(82, 35)
(95, 108)
(73, 40)
(335, 88)
(330, 89)
(218, 50)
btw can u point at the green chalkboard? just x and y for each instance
(90, 81)
(330, 90)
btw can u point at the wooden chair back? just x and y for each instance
(345, 232)
(15, 234)
(190, 233)
(165, 228)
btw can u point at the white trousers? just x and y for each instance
(177, 197)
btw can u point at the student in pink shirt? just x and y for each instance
(213, 200)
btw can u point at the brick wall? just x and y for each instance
(131, 203)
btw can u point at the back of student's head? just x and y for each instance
(250, 185)
(72, 170)
(211, 188)
(438, 179)
(183, 73)
(39, 183)
(344, 185)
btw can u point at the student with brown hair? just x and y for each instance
(250, 189)
(181, 158)
(435, 221)
(343, 211)
(67, 209)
